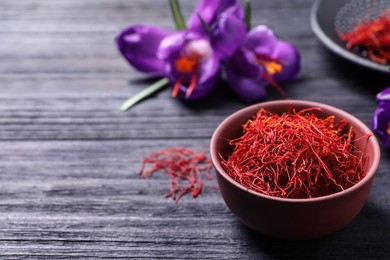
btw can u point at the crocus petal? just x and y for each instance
(138, 44)
(227, 34)
(244, 76)
(233, 7)
(250, 90)
(175, 41)
(288, 56)
(170, 44)
(175, 44)
(206, 74)
(225, 19)
(243, 63)
(380, 123)
(383, 97)
(201, 89)
(208, 78)
(208, 69)
(209, 10)
(261, 40)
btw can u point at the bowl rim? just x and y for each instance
(349, 117)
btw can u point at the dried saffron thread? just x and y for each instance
(295, 155)
(372, 36)
(184, 168)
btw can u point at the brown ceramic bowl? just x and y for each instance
(292, 218)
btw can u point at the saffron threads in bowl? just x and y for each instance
(183, 166)
(295, 155)
(371, 38)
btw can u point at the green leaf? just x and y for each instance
(154, 88)
(177, 16)
(204, 24)
(248, 10)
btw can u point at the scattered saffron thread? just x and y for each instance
(372, 36)
(183, 166)
(295, 155)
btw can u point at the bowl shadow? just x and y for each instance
(366, 237)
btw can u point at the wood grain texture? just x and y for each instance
(69, 187)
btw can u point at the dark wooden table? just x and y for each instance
(69, 159)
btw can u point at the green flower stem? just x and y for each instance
(154, 88)
(248, 14)
(177, 16)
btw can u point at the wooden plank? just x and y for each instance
(69, 187)
(83, 203)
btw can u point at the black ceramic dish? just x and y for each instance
(322, 19)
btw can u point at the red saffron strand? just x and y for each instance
(192, 85)
(295, 155)
(183, 166)
(273, 83)
(176, 88)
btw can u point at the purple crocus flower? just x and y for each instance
(138, 44)
(191, 64)
(225, 21)
(383, 97)
(190, 59)
(380, 123)
(193, 56)
(209, 10)
(260, 61)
